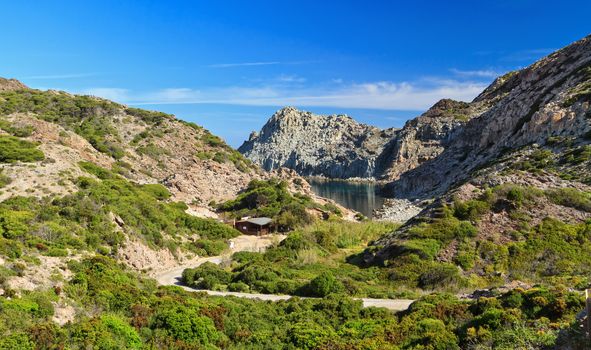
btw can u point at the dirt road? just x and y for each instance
(172, 277)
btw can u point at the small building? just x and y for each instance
(254, 226)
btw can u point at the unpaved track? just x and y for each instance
(172, 277)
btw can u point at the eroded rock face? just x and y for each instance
(424, 138)
(11, 84)
(337, 146)
(547, 99)
(334, 146)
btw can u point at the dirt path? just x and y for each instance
(172, 277)
(239, 244)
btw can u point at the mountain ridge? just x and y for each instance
(313, 145)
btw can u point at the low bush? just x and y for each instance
(150, 117)
(13, 149)
(570, 197)
(325, 284)
(440, 276)
(206, 276)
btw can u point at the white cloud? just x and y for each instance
(285, 78)
(483, 73)
(376, 95)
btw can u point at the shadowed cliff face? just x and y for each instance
(334, 146)
(548, 99)
(337, 146)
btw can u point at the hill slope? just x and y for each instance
(143, 146)
(545, 101)
(510, 196)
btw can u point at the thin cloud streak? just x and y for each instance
(243, 64)
(481, 73)
(373, 95)
(60, 76)
(254, 64)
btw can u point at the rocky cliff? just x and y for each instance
(337, 146)
(522, 160)
(334, 146)
(423, 138)
(545, 101)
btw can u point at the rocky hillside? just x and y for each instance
(142, 146)
(334, 146)
(424, 138)
(130, 183)
(508, 200)
(541, 104)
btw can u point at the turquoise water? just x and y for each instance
(359, 196)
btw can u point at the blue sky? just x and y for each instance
(228, 65)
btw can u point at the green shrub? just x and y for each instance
(570, 197)
(121, 332)
(206, 276)
(425, 248)
(465, 259)
(16, 341)
(309, 335)
(54, 251)
(471, 210)
(153, 151)
(440, 276)
(157, 191)
(212, 140)
(186, 325)
(247, 257)
(10, 248)
(432, 334)
(97, 171)
(238, 287)
(325, 284)
(150, 117)
(211, 248)
(24, 131)
(13, 149)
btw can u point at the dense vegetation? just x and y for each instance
(447, 252)
(85, 115)
(549, 251)
(13, 149)
(119, 310)
(95, 218)
(311, 261)
(272, 199)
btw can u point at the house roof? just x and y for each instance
(259, 221)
